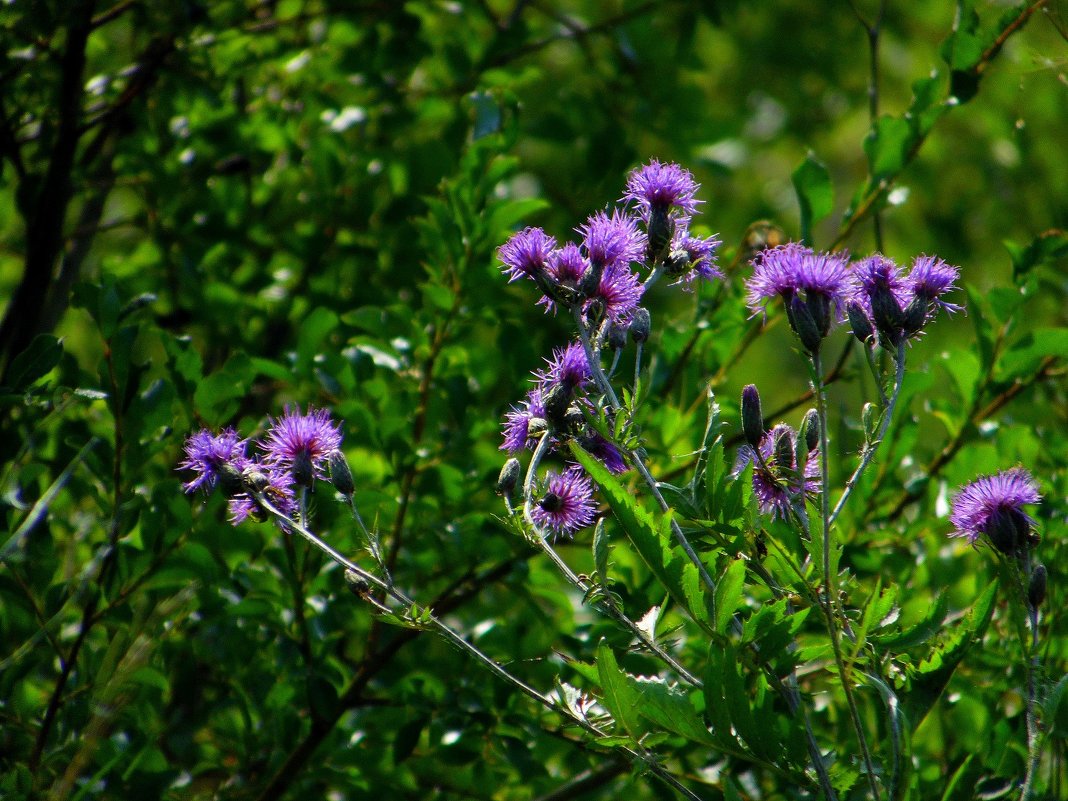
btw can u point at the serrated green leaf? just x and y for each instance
(652, 539)
(618, 696)
(601, 549)
(670, 708)
(729, 594)
(920, 632)
(934, 673)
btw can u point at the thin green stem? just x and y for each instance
(1034, 665)
(870, 448)
(830, 584)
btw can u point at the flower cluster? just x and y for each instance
(819, 289)
(993, 506)
(596, 275)
(296, 450)
(894, 305)
(596, 279)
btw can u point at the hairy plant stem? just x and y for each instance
(431, 621)
(829, 583)
(1034, 666)
(870, 448)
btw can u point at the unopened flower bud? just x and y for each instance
(556, 400)
(810, 429)
(509, 477)
(640, 325)
(784, 450)
(888, 315)
(536, 426)
(915, 315)
(859, 322)
(617, 336)
(341, 474)
(230, 480)
(752, 418)
(254, 479)
(1036, 589)
(574, 418)
(804, 325)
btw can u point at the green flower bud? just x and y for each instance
(752, 418)
(640, 325)
(509, 477)
(1036, 589)
(341, 474)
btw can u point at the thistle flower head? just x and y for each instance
(277, 487)
(516, 431)
(567, 503)
(209, 455)
(302, 443)
(993, 505)
(778, 482)
(695, 256)
(605, 452)
(930, 278)
(526, 253)
(793, 270)
(612, 240)
(667, 188)
(567, 366)
(618, 293)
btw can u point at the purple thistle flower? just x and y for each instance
(664, 188)
(567, 503)
(878, 272)
(526, 253)
(208, 453)
(777, 483)
(698, 254)
(516, 431)
(605, 452)
(278, 491)
(614, 240)
(930, 278)
(567, 366)
(566, 266)
(991, 505)
(302, 444)
(789, 270)
(618, 293)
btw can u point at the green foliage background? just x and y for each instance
(232, 206)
